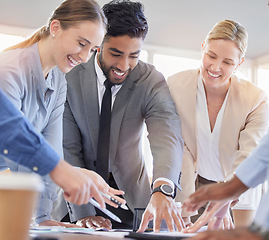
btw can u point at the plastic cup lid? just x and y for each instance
(21, 181)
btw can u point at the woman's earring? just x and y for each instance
(53, 35)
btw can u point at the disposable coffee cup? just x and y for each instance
(18, 197)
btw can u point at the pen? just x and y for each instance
(104, 210)
(123, 206)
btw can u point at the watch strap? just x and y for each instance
(158, 189)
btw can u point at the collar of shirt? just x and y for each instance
(100, 75)
(100, 84)
(45, 85)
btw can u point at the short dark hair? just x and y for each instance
(125, 18)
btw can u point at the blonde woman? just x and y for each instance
(32, 74)
(223, 118)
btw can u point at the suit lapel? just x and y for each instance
(119, 108)
(189, 114)
(90, 98)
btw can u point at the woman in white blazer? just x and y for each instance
(223, 118)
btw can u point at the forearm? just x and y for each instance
(31, 150)
(58, 173)
(167, 155)
(253, 170)
(233, 188)
(164, 134)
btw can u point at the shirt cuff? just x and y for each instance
(43, 212)
(165, 180)
(46, 158)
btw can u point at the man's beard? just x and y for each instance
(105, 69)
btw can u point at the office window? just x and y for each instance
(169, 65)
(7, 40)
(143, 56)
(263, 77)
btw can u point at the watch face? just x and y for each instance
(167, 189)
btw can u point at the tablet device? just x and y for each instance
(153, 236)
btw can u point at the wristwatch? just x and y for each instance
(262, 231)
(165, 189)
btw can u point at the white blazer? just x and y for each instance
(245, 121)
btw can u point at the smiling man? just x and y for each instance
(139, 94)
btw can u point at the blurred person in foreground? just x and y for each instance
(252, 172)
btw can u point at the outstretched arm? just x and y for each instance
(80, 185)
(215, 192)
(216, 213)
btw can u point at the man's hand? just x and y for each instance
(237, 234)
(55, 223)
(161, 207)
(94, 222)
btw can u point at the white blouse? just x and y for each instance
(208, 149)
(208, 142)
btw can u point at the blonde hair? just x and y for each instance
(69, 13)
(230, 30)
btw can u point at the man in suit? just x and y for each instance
(139, 95)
